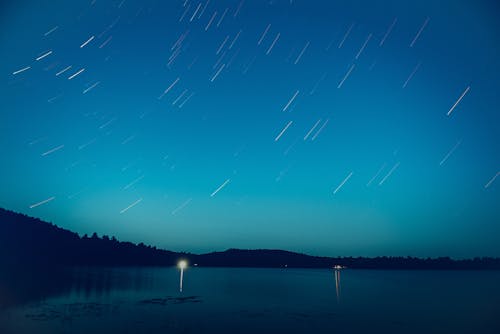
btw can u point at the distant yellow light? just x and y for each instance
(182, 264)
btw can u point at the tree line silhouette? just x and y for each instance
(27, 241)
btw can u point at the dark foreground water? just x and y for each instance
(223, 300)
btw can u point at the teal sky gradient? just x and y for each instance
(280, 193)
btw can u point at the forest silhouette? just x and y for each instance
(27, 241)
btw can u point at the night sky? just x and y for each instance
(327, 127)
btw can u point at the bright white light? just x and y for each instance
(182, 264)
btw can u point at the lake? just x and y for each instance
(249, 300)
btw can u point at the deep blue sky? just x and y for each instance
(79, 152)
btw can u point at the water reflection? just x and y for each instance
(182, 265)
(24, 285)
(337, 284)
(245, 300)
(19, 286)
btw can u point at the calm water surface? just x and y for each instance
(242, 300)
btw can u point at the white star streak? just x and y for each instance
(219, 60)
(301, 53)
(238, 9)
(42, 202)
(81, 147)
(63, 70)
(450, 153)
(248, 65)
(131, 205)
(133, 182)
(51, 31)
(222, 17)
(87, 42)
(169, 88)
(187, 99)
(217, 73)
(346, 76)
(179, 97)
(320, 129)
(44, 55)
(312, 129)
(458, 101)
(174, 56)
(363, 47)
(105, 42)
(77, 73)
(54, 98)
(342, 183)
(76, 194)
(346, 35)
(195, 12)
(291, 101)
(109, 27)
(52, 150)
(272, 44)
(283, 131)
(419, 32)
(313, 90)
(21, 70)
(388, 31)
(377, 174)
(290, 147)
(33, 142)
(179, 41)
(182, 206)
(185, 12)
(264, 34)
(389, 174)
(234, 40)
(411, 75)
(85, 91)
(107, 123)
(203, 10)
(220, 188)
(491, 180)
(233, 57)
(128, 139)
(211, 20)
(222, 45)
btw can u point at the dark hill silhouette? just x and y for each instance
(30, 241)
(26, 241)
